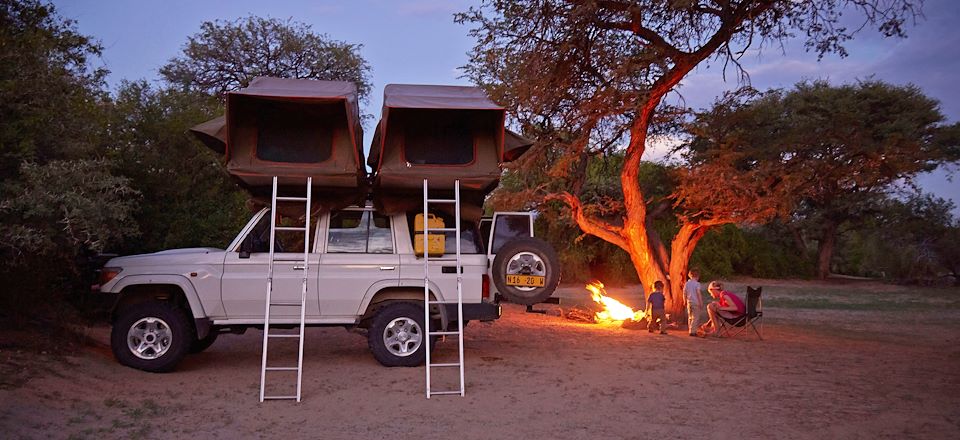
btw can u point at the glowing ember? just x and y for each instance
(613, 311)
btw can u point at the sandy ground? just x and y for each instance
(818, 373)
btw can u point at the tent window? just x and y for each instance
(439, 139)
(289, 132)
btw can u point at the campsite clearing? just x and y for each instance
(850, 360)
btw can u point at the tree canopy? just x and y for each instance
(838, 149)
(596, 73)
(48, 92)
(227, 55)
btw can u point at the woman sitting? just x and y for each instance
(727, 305)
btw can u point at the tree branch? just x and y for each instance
(592, 226)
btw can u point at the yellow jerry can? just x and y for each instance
(435, 241)
(432, 222)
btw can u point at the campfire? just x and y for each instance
(612, 312)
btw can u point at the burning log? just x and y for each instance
(581, 315)
(613, 311)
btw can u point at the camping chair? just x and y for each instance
(752, 319)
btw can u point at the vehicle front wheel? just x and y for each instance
(152, 336)
(397, 337)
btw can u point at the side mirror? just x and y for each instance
(246, 246)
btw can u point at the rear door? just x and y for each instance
(506, 226)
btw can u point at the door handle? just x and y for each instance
(387, 267)
(299, 267)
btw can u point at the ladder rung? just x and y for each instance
(290, 228)
(444, 333)
(292, 199)
(451, 364)
(441, 200)
(279, 397)
(283, 336)
(440, 393)
(282, 369)
(439, 229)
(292, 304)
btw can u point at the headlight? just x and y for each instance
(109, 273)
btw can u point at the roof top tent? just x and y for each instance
(294, 129)
(444, 134)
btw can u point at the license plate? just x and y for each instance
(526, 280)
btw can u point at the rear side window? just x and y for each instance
(361, 232)
(469, 236)
(509, 227)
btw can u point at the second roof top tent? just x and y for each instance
(444, 134)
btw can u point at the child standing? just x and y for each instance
(691, 291)
(655, 309)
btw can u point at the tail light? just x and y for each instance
(486, 287)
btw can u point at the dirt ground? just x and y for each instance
(837, 361)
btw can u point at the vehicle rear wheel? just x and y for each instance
(199, 345)
(151, 336)
(526, 261)
(397, 336)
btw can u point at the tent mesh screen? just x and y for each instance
(293, 132)
(438, 137)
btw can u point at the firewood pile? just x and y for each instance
(581, 314)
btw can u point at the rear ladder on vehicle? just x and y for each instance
(270, 303)
(458, 333)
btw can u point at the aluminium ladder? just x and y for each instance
(270, 303)
(426, 287)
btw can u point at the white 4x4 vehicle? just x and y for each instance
(362, 272)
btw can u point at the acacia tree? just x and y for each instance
(841, 149)
(598, 71)
(227, 55)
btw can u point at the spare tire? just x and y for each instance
(530, 258)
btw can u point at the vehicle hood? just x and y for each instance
(172, 256)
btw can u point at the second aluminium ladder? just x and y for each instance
(270, 303)
(427, 201)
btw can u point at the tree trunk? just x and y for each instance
(828, 240)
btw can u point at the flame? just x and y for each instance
(613, 311)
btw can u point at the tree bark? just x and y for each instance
(828, 239)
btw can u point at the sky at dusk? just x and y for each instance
(416, 41)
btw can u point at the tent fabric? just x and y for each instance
(514, 145)
(295, 128)
(212, 133)
(443, 134)
(421, 124)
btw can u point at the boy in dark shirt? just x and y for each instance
(655, 309)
